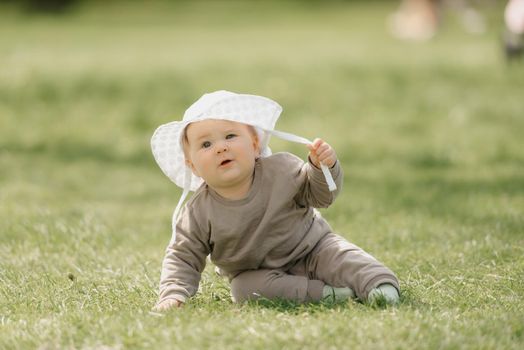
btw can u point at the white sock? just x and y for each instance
(386, 291)
(338, 294)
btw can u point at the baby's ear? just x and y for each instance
(256, 145)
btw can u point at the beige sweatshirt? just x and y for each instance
(272, 228)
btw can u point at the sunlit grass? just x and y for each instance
(429, 136)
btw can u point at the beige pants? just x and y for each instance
(333, 261)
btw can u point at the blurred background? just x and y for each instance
(422, 100)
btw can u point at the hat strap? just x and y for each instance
(294, 138)
(187, 185)
(283, 135)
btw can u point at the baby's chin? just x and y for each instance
(231, 181)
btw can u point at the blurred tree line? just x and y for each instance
(58, 6)
(43, 5)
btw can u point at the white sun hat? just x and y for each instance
(257, 111)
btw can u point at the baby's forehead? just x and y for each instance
(213, 124)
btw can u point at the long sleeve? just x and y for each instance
(314, 191)
(184, 260)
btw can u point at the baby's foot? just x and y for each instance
(384, 294)
(337, 294)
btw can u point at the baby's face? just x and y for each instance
(221, 152)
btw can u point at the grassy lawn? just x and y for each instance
(429, 136)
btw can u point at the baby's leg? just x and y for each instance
(275, 284)
(342, 264)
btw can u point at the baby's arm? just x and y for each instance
(167, 304)
(315, 190)
(321, 152)
(183, 264)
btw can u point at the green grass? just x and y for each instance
(429, 135)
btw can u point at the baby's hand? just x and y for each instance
(167, 304)
(321, 152)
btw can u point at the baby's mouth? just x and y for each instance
(225, 162)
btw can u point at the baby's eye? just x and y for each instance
(206, 144)
(230, 136)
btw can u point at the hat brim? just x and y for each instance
(168, 152)
(166, 142)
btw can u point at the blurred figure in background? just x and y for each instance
(419, 20)
(415, 20)
(514, 31)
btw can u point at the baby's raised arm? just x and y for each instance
(315, 190)
(321, 152)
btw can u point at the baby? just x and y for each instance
(253, 212)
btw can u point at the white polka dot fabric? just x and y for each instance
(166, 143)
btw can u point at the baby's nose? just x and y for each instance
(221, 147)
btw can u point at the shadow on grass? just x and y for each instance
(290, 307)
